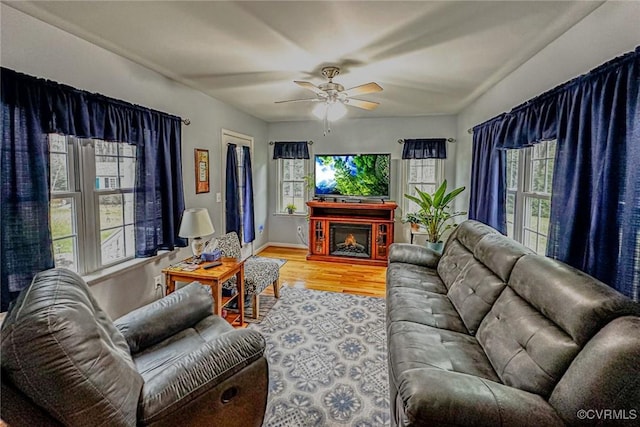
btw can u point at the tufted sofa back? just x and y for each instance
(474, 267)
(543, 319)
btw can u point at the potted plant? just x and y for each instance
(434, 210)
(291, 208)
(415, 219)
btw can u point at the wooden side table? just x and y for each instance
(213, 277)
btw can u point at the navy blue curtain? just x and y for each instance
(232, 204)
(291, 150)
(33, 108)
(248, 228)
(488, 177)
(26, 245)
(595, 207)
(434, 148)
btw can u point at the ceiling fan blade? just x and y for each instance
(366, 105)
(310, 86)
(298, 100)
(363, 89)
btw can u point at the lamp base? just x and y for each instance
(197, 245)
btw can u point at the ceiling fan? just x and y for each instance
(333, 94)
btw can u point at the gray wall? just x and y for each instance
(611, 30)
(33, 47)
(355, 136)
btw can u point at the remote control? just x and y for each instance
(213, 264)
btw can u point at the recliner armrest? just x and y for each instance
(413, 254)
(165, 317)
(436, 397)
(197, 373)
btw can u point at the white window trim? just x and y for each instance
(280, 196)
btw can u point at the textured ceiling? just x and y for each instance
(430, 57)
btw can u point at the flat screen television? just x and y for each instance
(352, 175)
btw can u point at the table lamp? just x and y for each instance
(196, 223)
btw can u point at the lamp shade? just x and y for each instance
(196, 223)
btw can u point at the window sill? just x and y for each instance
(123, 267)
(297, 215)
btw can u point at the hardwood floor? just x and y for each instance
(327, 276)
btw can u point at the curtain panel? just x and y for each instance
(595, 208)
(248, 227)
(232, 202)
(34, 107)
(434, 148)
(291, 150)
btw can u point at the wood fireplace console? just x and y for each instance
(355, 233)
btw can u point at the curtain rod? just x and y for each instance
(273, 142)
(401, 141)
(186, 122)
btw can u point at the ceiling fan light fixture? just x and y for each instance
(331, 111)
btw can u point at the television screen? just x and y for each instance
(363, 175)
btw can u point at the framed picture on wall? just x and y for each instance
(202, 171)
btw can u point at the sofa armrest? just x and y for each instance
(436, 397)
(196, 374)
(413, 254)
(152, 323)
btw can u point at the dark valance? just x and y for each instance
(291, 150)
(433, 148)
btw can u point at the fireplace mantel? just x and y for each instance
(327, 217)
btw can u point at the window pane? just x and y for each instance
(287, 170)
(129, 213)
(298, 189)
(111, 211)
(127, 150)
(59, 169)
(57, 143)
(538, 175)
(64, 253)
(545, 208)
(287, 189)
(62, 214)
(106, 167)
(130, 239)
(511, 206)
(298, 169)
(112, 245)
(104, 148)
(127, 172)
(513, 157)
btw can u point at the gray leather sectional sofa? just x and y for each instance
(490, 334)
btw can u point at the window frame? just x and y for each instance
(281, 209)
(81, 163)
(525, 194)
(407, 185)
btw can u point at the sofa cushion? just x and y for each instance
(405, 275)
(412, 345)
(455, 257)
(499, 254)
(473, 293)
(426, 308)
(57, 344)
(553, 287)
(527, 350)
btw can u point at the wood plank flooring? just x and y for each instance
(327, 276)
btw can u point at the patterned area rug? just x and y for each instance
(327, 360)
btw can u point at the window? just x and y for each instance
(529, 183)
(425, 174)
(293, 186)
(92, 202)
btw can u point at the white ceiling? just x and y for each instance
(430, 57)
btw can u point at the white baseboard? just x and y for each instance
(282, 245)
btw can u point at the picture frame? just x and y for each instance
(202, 170)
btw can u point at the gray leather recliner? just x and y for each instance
(172, 362)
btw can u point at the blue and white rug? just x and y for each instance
(327, 360)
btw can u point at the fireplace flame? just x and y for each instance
(350, 240)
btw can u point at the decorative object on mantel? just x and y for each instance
(195, 224)
(434, 213)
(332, 97)
(202, 171)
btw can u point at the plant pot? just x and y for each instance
(290, 211)
(415, 226)
(435, 246)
